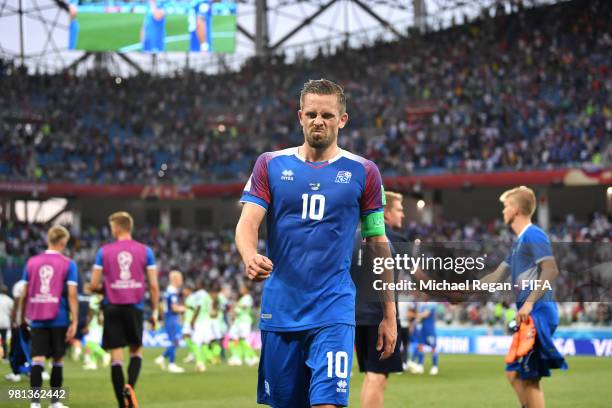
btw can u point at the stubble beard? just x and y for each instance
(321, 143)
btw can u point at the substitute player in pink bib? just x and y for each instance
(120, 269)
(51, 308)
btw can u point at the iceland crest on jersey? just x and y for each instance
(343, 177)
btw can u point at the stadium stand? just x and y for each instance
(521, 91)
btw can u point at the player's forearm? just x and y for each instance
(496, 276)
(96, 278)
(178, 308)
(153, 288)
(389, 310)
(73, 303)
(247, 237)
(380, 248)
(154, 293)
(549, 274)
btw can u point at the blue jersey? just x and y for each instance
(63, 316)
(312, 213)
(171, 297)
(73, 28)
(203, 10)
(530, 248)
(154, 30)
(428, 324)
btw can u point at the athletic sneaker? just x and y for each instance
(76, 353)
(90, 366)
(35, 405)
(433, 370)
(173, 368)
(12, 377)
(200, 367)
(129, 397)
(190, 358)
(161, 362)
(234, 361)
(252, 361)
(58, 405)
(417, 369)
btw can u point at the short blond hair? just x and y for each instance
(123, 220)
(174, 272)
(57, 234)
(391, 197)
(523, 197)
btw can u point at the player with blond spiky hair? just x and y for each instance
(530, 259)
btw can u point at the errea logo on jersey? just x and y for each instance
(287, 175)
(342, 384)
(343, 177)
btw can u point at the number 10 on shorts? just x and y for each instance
(341, 364)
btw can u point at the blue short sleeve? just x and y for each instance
(73, 274)
(98, 261)
(150, 258)
(538, 244)
(508, 260)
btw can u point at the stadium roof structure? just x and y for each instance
(34, 32)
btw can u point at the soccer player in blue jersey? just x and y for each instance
(312, 198)
(530, 259)
(153, 31)
(199, 22)
(73, 28)
(426, 335)
(172, 322)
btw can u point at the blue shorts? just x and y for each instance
(174, 331)
(530, 366)
(426, 338)
(429, 339)
(305, 368)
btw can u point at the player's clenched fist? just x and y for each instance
(258, 268)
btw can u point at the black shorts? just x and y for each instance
(122, 326)
(48, 342)
(367, 355)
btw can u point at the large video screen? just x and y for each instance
(152, 26)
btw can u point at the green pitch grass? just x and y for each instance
(464, 381)
(109, 32)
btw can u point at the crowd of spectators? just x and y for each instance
(213, 256)
(521, 91)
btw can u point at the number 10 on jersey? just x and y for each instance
(313, 206)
